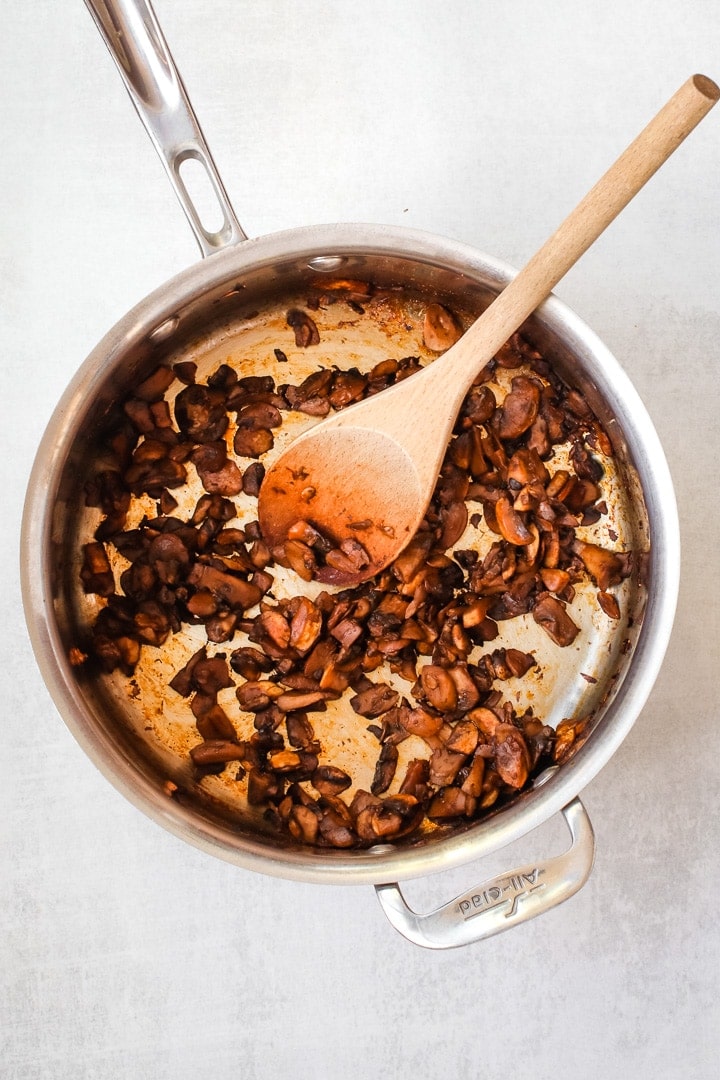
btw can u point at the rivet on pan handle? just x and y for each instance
(502, 902)
(138, 47)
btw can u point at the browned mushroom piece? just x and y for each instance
(609, 605)
(211, 719)
(210, 674)
(605, 567)
(155, 385)
(329, 780)
(519, 663)
(519, 409)
(468, 692)
(256, 695)
(262, 786)
(303, 823)
(568, 737)
(348, 386)
(450, 802)
(182, 682)
(200, 414)
(486, 720)
(441, 328)
(252, 442)
(416, 779)
(512, 759)
(526, 467)
(375, 700)
(385, 768)
(301, 700)
(152, 469)
(510, 523)
(378, 821)
(306, 331)
(214, 751)
(555, 580)
(463, 738)
(421, 722)
(284, 761)
(152, 623)
(96, 573)
(298, 557)
(335, 830)
(169, 557)
(258, 414)
(229, 588)
(550, 613)
(472, 783)
(438, 688)
(217, 473)
(445, 764)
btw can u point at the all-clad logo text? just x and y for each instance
(510, 891)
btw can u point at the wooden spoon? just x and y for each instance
(368, 472)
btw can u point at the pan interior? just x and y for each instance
(139, 730)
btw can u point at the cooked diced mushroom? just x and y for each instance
(329, 780)
(550, 613)
(464, 738)
(306, 331)
(385, 768)
(450, 802)
(375, 700)
(441, 328)
(96, 573)
(439, 688)
(510, 523)
(214, 751)
(605, 567)
(519, 409)
(512, 759)
(444, 766)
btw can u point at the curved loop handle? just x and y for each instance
(502, 902)
(136, 42)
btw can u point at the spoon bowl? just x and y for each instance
(359, 484)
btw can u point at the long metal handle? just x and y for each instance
(137, 44)
(502, 902)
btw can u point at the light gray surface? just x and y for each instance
(124, 953)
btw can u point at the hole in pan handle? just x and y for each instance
(138, 47)
(502, 902)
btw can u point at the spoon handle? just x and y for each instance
(579, 230)
(131, 32)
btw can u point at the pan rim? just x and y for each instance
(357, 867)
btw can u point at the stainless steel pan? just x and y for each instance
(231, 307)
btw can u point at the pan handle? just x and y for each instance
(138, 47)
(502, 902)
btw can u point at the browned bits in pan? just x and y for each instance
(409, 656)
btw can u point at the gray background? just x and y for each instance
(123, 952)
